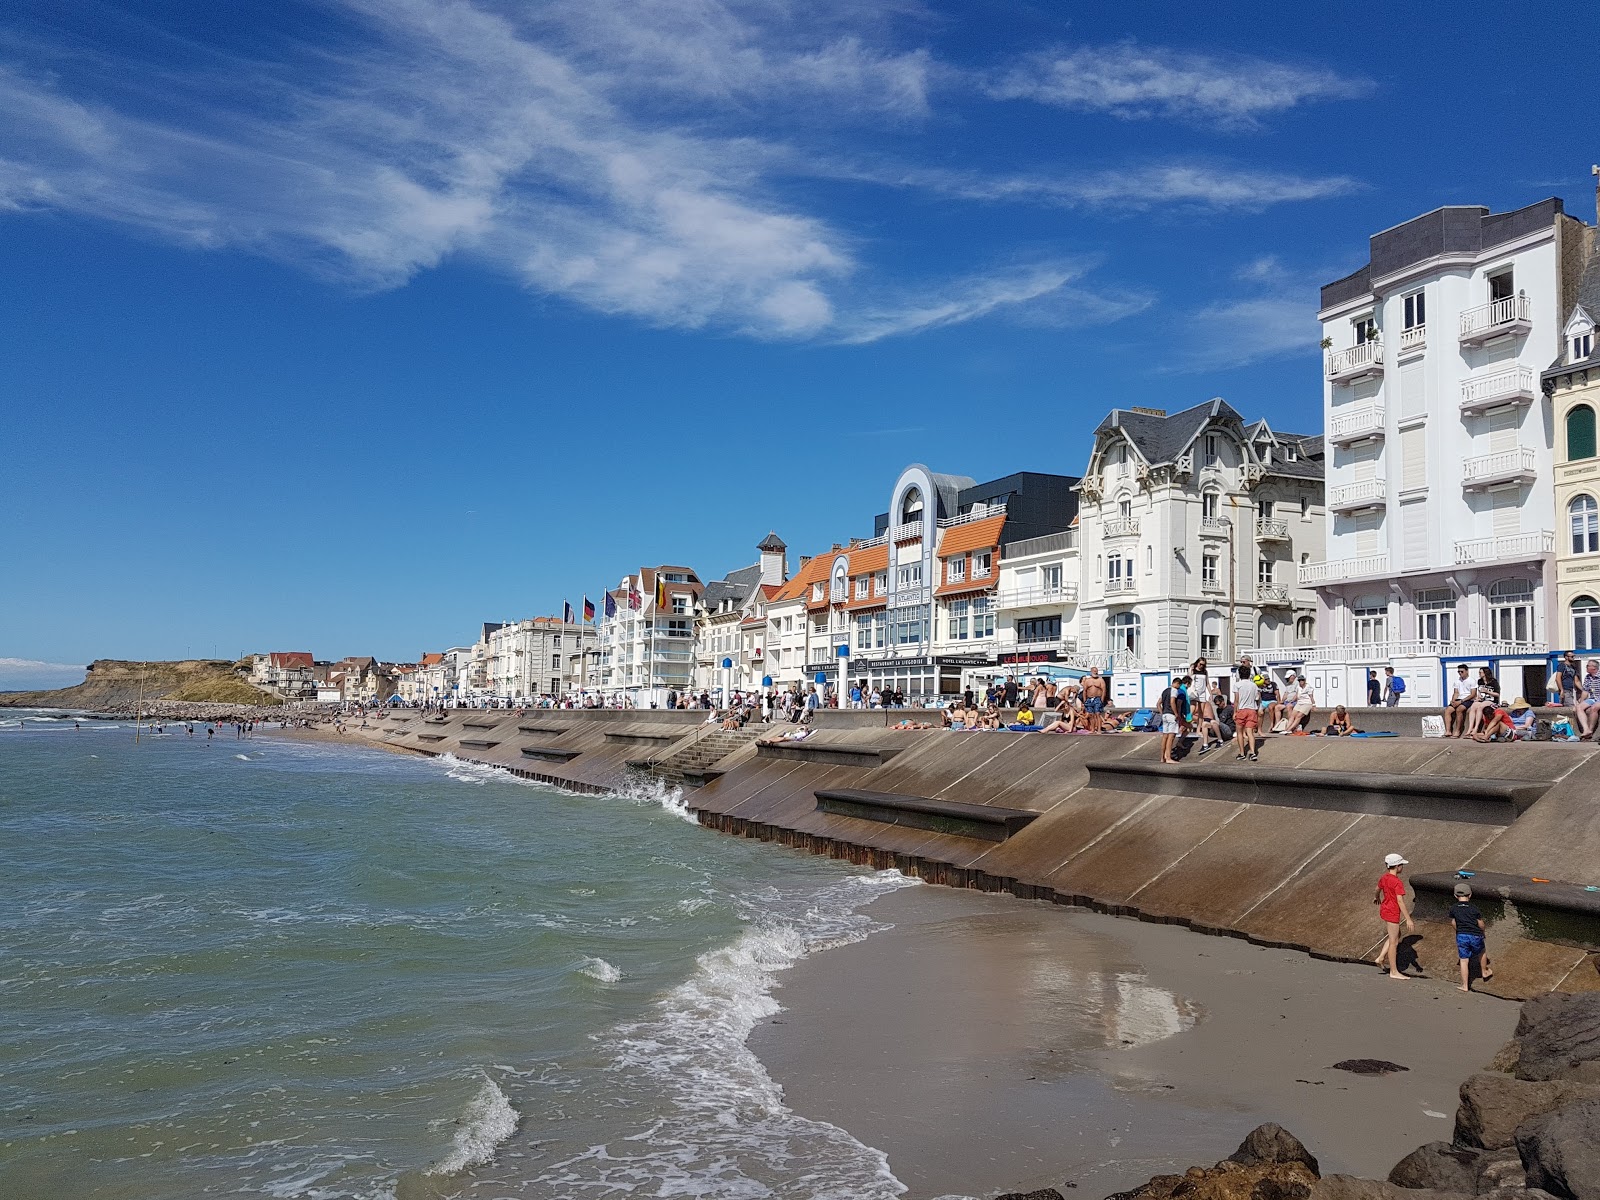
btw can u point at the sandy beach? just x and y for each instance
(987, 1044)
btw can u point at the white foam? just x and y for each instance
(650, 790)
(488, 1121)
(242, 757)
(600, 969)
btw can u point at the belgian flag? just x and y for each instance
(661, 590)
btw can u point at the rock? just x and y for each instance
(1439, 1166)
(1560, 1037)
(1561, 1151)
(1230, 1180)
(1505, 1058)
(1271, 1143)
(1348, 1187)
(1368, 1066)
(1041, 1194)
(1492, 1106)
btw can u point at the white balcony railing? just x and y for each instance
(1504, 466)
(1363, 493)
(1356, 426)
(1216, 527)
(908, 532)
(1121, 527)
(997, 509)
(1505, 547)
(1509, 385)
(1414, 338)
(1271, 593)
(1335, 569)
(1121, 586)
(1510, 315)
(1365, 359)
(1269, 530)
(1067, 593)
(1383, 652)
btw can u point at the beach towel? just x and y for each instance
(1376, 733)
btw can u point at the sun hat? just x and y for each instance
(1519, 704)
(1463, 891)
(1394, 860)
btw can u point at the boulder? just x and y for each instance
(1348, 1187)
(1041, 1194)
(1501, 1171)
(1561, 1151)
(1559, 1035)
(1441, 1167)
(1492, 1106)
(1230, 1180)
(1271, 1143)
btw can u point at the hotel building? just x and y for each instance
(647, 650)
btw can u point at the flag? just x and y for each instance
(588, 609)
(566, 613)
(611, 606)
(634, 599)
(661, 592)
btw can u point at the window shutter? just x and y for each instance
(1414, 533)
(1413, 401)
(1413, 458)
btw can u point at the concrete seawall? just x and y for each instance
(1284, 852)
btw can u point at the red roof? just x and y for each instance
(292, 658)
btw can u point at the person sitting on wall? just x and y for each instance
(1279, 709)
(1486, 698)
(1339, 724)
(1524, 721)
(1066, 718)
(1305, 700)
(1460, 700)
(1587, 709)
(1495, 726)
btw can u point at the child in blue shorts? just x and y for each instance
(1469, 935)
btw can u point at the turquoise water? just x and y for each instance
(295, 969)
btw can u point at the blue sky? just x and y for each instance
(345, 325)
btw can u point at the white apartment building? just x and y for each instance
(538, 657)
(731, 623)
(1441, 504)
(647, 635)
(1036, 607)
(1190, 531)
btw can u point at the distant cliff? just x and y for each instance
(115, 684)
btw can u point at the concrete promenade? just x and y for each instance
(1284, 852)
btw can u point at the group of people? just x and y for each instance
(1394, 908)
(1475, 711)
(1196, 706)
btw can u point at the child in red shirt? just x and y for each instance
(1392, 909)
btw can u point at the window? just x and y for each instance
(1581, 346)
(1436, 615)
(958, 621)
(555, 662)
(955, 569)
(1211, 634)
(911, 507)
(1213, 450)
(1050, 577)
(1264, 572)
(881, 582)
(1584, 517)
(1511, 610)
(909, 630)
(1125, 509)
(1038, 629)
(982, 617)
(1122, 632)
(1500, 287)
(1208, 571)
(816, 591)
(1119, 458)
(555, 640)
(908, 575)
(1149, 560)
(1585, 624)
(1369, 623)
(1097, 568)
(680, 604)
(1416, 311)
(1305, 508)
(1305, 631)
(982, 564)
(1264, 509)
(861, 587)
(1210, 505)
(1580, 433)
(864, 631)
(1364, 330)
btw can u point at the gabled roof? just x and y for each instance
(771, 544)
(1163, 439)
(982, 534)
(813, 570)
(870, 560)
(1588, 300)
(291, 658)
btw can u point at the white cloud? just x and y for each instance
(1276, 320)
(1132, 81)
(29, 674)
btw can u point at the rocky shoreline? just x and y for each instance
(1528, 1128)
(297, 714)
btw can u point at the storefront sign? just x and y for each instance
(962, 660)
(1037, 656)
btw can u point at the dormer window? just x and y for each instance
(1580, 347)
(1213, 450)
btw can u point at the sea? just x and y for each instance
(269, 967)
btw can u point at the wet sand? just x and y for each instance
(987, 1043)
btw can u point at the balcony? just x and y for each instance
(1347, 428)
(1039, 597)
(1121, 586)
(1365, 566)
(1347, 366)
(1384, 652)
(1214, 527)
(1271, 595)
(1507, 547)
(1496, 319)
(1506, 466)
(1414, 338)
(1120, 527)
(1509, 385)
(1363, 493)
(1269, 530)
(911, 531)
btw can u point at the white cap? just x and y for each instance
(1393, 860)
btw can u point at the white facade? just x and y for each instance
(646, 649)
(539, 657)
(1037, 601)
(1441, 503)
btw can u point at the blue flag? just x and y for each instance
(567, 614)
(611, 605)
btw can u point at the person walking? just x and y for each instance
(1167, 706)
(1469, 936)
(1393, 687)
(1374, 690)
(1246, 713)
(1393, 907)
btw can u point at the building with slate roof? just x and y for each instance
(731, 621)
(1442, 523)
(647, 650)
(1190, 531)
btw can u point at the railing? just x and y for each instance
(1361, 423)
(1121, 527)
(1067, 593)
(1214, 527)
(982, 514)
(1414, 338)
(880, 540)
(1498, 467)
(1067, 539)
(1506, 546)
(1121, 586)
(1379, 652)
(1508, 384)
(1367, 357)
(1335, 569)
(1488, 319)
(1361, 492)
(1269, 529)
(908, 532)
(1268, 593)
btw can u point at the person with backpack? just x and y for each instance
(1393, 687)
(1168, 707)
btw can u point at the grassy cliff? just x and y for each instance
(115, 684)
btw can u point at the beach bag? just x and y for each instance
(1145, 719)
(1433, 726)
(1282, 726)
(1562, 729)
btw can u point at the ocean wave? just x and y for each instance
(726, 1132)
(599, 969)
(488, 1121)
(650, 790)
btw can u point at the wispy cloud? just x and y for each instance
(1276, 318)
(1133, 81)
(29, 674)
